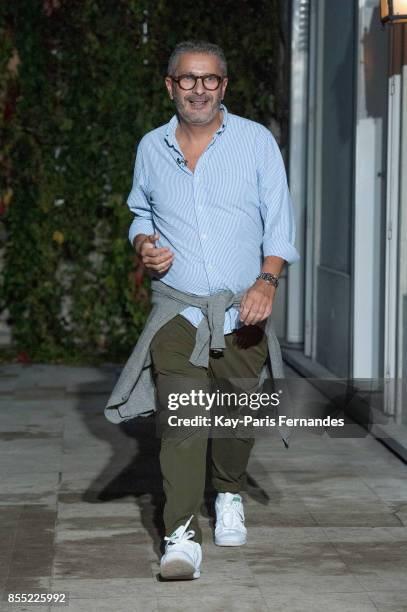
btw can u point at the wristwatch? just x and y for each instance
(269, 278)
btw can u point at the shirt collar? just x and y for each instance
(173, 124)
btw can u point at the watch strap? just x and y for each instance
(269, 278)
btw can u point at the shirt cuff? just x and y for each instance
(280, 248)
(140, 226)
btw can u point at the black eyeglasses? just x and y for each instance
(188, 81)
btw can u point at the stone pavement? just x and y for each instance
(81, 502)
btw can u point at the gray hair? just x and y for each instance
(196, 46)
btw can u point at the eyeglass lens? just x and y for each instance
(188, 81)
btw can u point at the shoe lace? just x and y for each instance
(238, 509)
(180, 534)
(235, 507)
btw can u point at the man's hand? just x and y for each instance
(156, 260)
(257, 302)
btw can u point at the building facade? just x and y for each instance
(346, 308)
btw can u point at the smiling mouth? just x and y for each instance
(198, 103)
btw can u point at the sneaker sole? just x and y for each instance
(179, 568)
(230, 541)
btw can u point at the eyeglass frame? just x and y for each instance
(202, 77)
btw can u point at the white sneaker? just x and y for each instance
(230, 529)
(182, 558)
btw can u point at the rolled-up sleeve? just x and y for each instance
(138, 200)
(276, 206)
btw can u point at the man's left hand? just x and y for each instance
(257, 302)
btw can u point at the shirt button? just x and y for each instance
(204, 236)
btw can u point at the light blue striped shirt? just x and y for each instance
(221, 220)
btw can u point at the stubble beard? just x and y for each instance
(206, 115)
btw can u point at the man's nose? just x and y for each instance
(199, 88)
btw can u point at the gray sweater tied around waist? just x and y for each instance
(134, 393)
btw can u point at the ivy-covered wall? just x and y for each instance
(80, 82)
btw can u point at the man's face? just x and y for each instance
(197, 105)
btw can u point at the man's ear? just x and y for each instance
(168, 84)
(224, 85)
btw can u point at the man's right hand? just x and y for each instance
(156, 260)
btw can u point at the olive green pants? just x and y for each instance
(183, 458)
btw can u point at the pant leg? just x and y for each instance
(244, 356)
(182, 459)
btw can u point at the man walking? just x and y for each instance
(212, 213)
